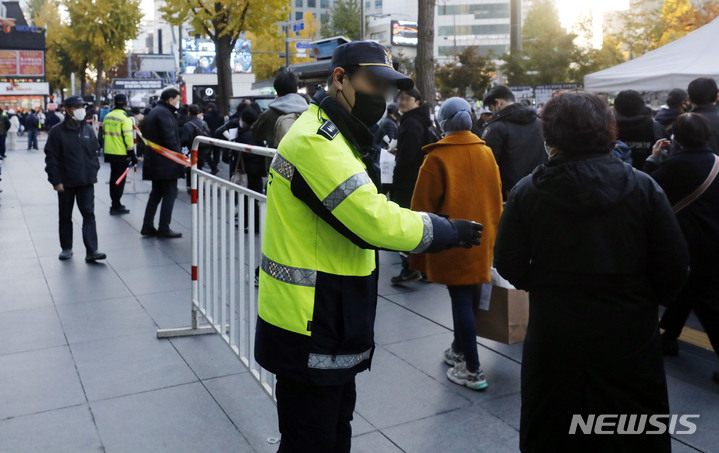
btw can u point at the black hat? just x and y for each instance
(373, 56)
(392, 108)
(120, 99)
(74, 101)
(414, 92)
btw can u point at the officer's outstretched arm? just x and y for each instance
(343, 195)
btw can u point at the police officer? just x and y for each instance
(71, 164)
(119, 150)
(325, 221)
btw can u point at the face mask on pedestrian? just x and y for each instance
(368, 108)
(79, 114)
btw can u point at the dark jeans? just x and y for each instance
(465, 328)
(315, 418)
(3, 137)
(85, 196)
(164, 190)
(32, 139)
(701, 294)
(116, 170)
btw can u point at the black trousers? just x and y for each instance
(164, 190)
(116, 191)
(85, 196)
(701, 294)
(315, 418)
(3, 137)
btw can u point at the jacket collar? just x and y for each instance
(352, 129)
(455, 138)
(168, 106)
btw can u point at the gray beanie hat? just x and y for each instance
(454, 115)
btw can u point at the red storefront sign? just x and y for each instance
(27, 63)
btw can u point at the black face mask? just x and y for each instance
(368, 108)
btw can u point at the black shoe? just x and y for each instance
(715, 377)
(148, 231)
(670, 346)
(119, 211)
(169, 234)
(406, 276)
(65, 255)
(215, 171)
(95, 256)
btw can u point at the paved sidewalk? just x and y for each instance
(81, 369)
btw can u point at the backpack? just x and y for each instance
(282, 125)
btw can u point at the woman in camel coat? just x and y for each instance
(460, 178)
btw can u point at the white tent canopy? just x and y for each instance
(671, 66)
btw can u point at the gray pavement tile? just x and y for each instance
(155, 279)
(180, 250)
(686, 398)
(395, 323)
(394, 392)
(432, 302)
(466, 429)
(104, 319)
(125, 365)
(137, 253)
(75, 281)
(694, 365)
(426, 354)
(20, 269)
(24, 294)
(26, 330)
(177, 419)
(37, 381)
(361, 426)
(506, 408)
(679, 447)
(248, 407)
(208, 356)
(69, 430)
(373, 442)
(170, 309)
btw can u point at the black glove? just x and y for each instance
(468, 232)
(133, 158)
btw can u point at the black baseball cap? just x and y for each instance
(74, 101)
(120, 99)
(373, 56)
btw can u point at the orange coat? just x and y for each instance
(460, 178)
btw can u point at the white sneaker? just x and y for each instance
(459, 375)
(452, 358)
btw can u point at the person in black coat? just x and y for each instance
(387, 127)
(32, 126)
(71, 164)
(703, 94)
(514, 134)
(52, 119)
(636, 128)
(160, 126)
(677, 103)
(214, 121)
(680, 175)
(597, 246)
(416, 130)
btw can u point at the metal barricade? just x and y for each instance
(227, 226)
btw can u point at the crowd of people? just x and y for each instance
(602, 213)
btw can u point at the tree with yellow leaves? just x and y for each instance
(58, 64)
(224, 21)
(100, 30)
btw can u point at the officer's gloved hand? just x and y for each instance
(133, 159)
(469, 232)
(448, 234)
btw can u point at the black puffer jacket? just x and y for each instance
(71, 154)
(597, 246)
(640, 133)
(415, 131)
(515, 137)
(711, 113)
(680, 175)
(160, 126)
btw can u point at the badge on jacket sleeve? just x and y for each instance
(328, 130)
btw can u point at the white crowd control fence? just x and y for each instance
(227, 226)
